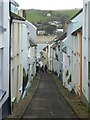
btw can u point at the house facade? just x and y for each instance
(17, 28)
(14, 32)
(65, 63)
(74, 52)
(44, 55)
(29, 55)
(23, 54)
(16, 61)
(4, 59)
(56, 56)
(86, 54)
(52, 62)
(32, 52)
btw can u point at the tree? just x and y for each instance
(49, 29)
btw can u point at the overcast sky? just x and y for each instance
(49, 4)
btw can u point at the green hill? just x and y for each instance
(48, 20)
(34, 15)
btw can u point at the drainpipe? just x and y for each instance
(80, 66)
(10, 22)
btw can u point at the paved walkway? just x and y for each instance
(71, 100)
(48, 101)
(22, 105)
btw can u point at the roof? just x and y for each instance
(59, 37)
(78, 30)
(14, 3)
(69, 20)
(30, 24)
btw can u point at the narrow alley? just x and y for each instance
(48, 102)
(44, 59)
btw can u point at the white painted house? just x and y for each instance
(65, 63)
(56, 56)
(74, 56)
(45, 56)
(86, 53)
(4, 59)
(53, 57)
(33, 49)
(16, 55)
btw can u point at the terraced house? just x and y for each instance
(16, 54)
(4, 58)
(23, 53)
(86, 54)
(74, 53)
(29, 53)
(17, 48)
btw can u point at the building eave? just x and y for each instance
(14, 3)
(78, 30)
(69, 20)
(60, 37)
(17, 17)
(63, 36)
(30, 24)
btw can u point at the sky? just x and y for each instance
(49, 4)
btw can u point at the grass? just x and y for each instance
(35, 16)
(39, 15)
(69, 13)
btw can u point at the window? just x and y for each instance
(2, 29)
(1, 12)
(85, 21)
(89, 70)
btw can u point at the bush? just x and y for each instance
(49, 29)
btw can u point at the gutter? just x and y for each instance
(10, 22)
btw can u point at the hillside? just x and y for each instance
(34, 15)
(48, 20)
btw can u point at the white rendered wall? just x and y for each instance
(76, 64)
(4, 50)
(85, 49)
(17, 61)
